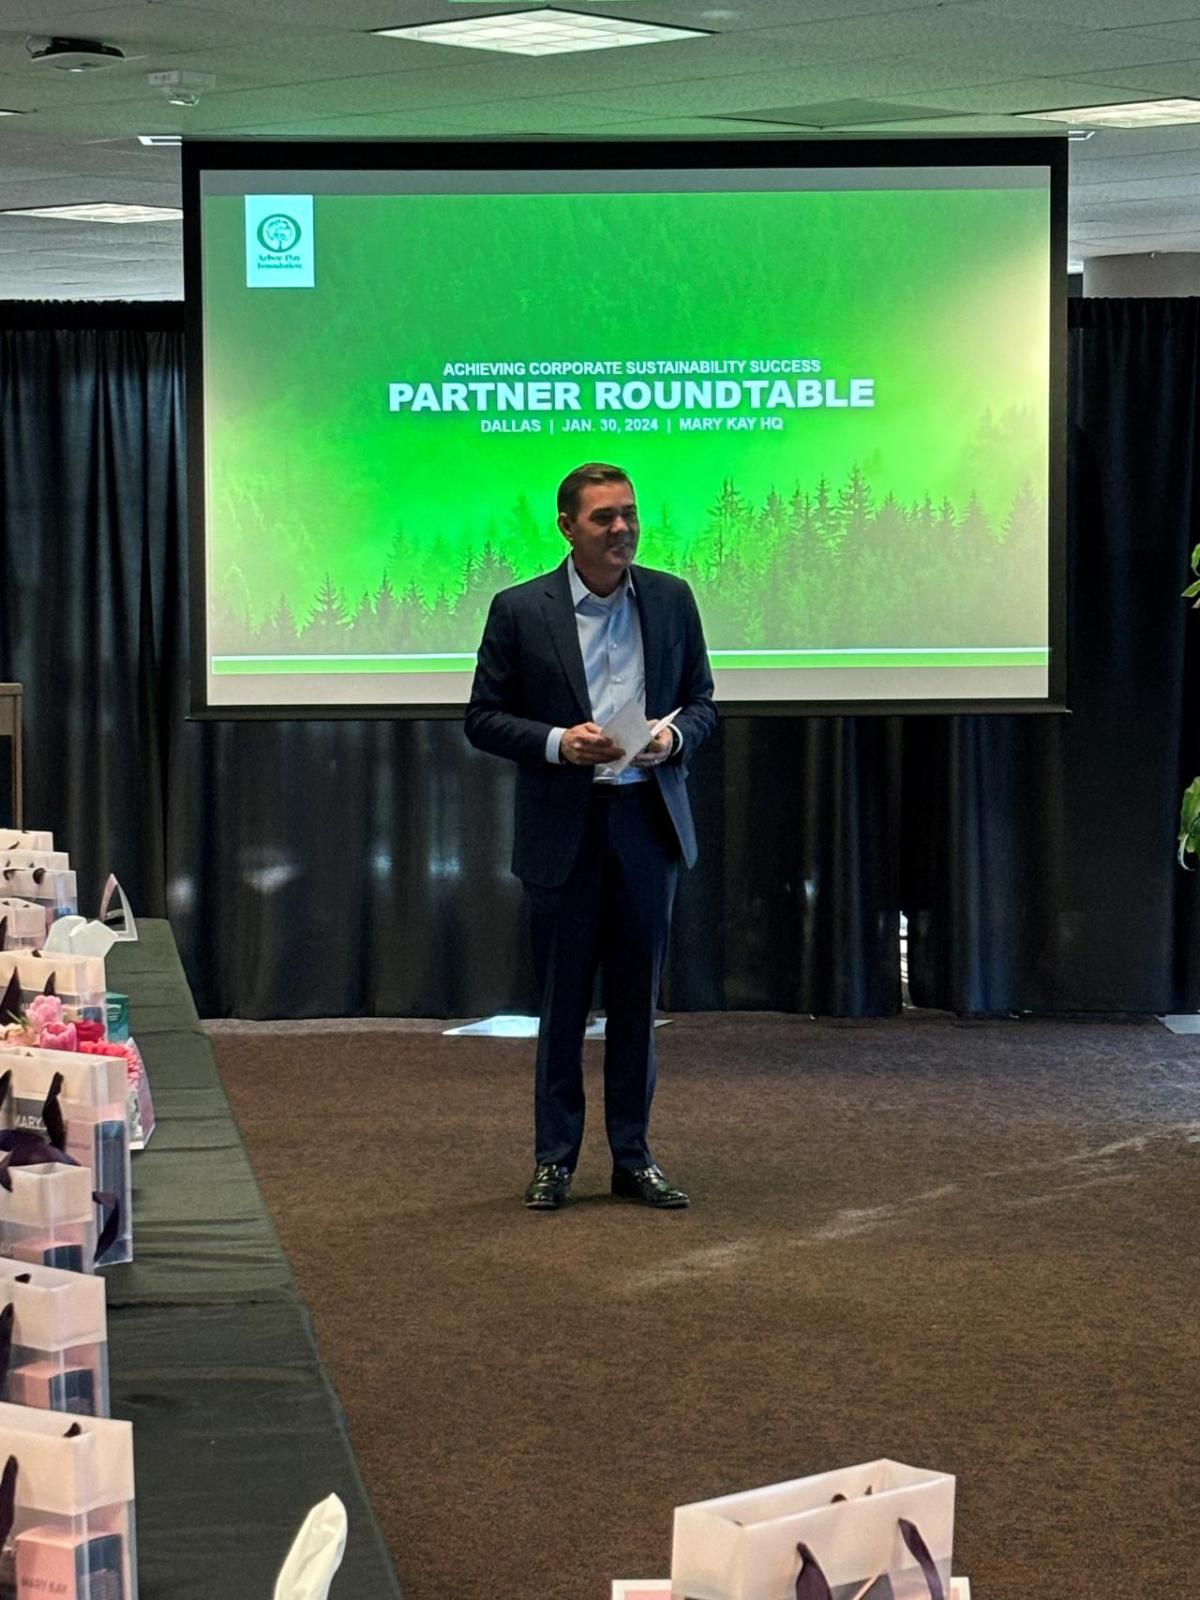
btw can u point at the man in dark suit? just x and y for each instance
(598, 851)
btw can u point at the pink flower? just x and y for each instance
(42, 1010)
(58, 1036)
(92, 1032)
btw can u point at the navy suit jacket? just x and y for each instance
(530, 678)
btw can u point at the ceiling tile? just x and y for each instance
(1089, 13)
(1181, 77)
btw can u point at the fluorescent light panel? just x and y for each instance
(99, 211)
(1131, 114)
(542, 33)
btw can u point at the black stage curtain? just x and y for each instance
(345, 868)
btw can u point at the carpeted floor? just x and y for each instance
(970, 1246)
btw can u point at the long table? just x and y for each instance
(237, 1432)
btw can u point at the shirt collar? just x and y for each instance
(580, 591)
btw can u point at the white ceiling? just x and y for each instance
(291, 67)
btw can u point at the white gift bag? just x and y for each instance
(23, 923)
(78, 981)
(848, 1535)
(30, 860)
(12, 840)
(67, 1496)
(92, 1096)
(56, 892)
(57, 1332)
(48, 1217)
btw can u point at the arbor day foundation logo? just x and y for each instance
(279, 241)
(279, 232)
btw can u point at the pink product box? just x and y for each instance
(73, 1524)
(69, 1383)
(68, 1565)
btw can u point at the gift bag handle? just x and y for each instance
(919, 1550)
(112, 1222)
(8, 1499)
(56, 1128)
(6, 1338)
(811, 1583)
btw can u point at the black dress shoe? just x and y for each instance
(548, 1187)
(648, 1185)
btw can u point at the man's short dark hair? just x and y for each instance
(573, 485)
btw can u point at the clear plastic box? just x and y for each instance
(59, 1356)
(55, 892)
(94, 1102)
(73, 1534)
(79, 981)
(48, 1219)
(24, 923)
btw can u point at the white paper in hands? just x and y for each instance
(316, 1553)
(629, 729)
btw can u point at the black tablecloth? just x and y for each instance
(237, 1432)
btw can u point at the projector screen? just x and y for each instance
(833, 373)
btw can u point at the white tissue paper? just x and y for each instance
(75, 936)
(316, 1553)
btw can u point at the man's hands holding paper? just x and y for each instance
(587, 745)
(657, 750)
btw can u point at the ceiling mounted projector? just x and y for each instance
(73, 55)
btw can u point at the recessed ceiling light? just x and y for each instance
(542, 33)
(160, 138)
(1131, 114)
(10, 113)
(99, 211)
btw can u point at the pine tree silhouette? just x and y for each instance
(385, 608)
(279, 631)
(853, 513)
(726, 518)
(324, 632)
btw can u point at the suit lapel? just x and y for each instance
(653, 622)
(559, 613)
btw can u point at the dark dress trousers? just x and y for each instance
(598, 861)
